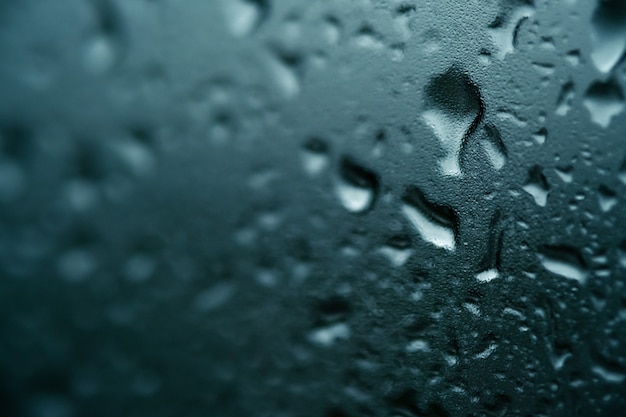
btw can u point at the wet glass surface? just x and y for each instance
(312, 208)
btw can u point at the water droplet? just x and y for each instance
(608, 34)
(286, 69)
(213, 298)
(356, 186)
(494, 147)
(367, 38)
(487, 352)
(607, 198)
(136, 153)
(537, 185)
(490, 263)
(103, 48)
(332, 30)
(621, 175)
(505, 28)
(454, 109)
(573, 57)
(487, 275)
(245, 16)
(139, 268)
(612, 377)
(314, 156)
(563, 261)
(604, 100)
(76, 265)
(566, 173)
(329, 335)
(100, 54)
(511, 116)
(397, 251)
(566, 98)
(540, 136)
(435, 224)
(543, 68)
(418, 346)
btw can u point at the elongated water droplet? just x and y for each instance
(494, 147)
(434, 223)
(565, 99)
(563, 261)
(608, 34)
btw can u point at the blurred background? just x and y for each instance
(320, 208)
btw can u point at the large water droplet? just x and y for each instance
(453, 110)
(604, 100)
(435, 224)
(608, 34)
(566, 98)
(245, 16)
(356, 186)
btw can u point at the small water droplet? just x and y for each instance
(537, 186)
(367, 38)
(76, 265)
(493, 146)
(573, 57)
(540, 136)
(333, 30)
(314, 156)
(566, 173)
(214, 297)
(356, 186)
(566, 98)
(607, 198)
(329, 335)
(139, 268)
(397, 255)
(244, 17)
(286, 68)
(487, 275)
(418, 346)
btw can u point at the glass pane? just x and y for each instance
(312, 208)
